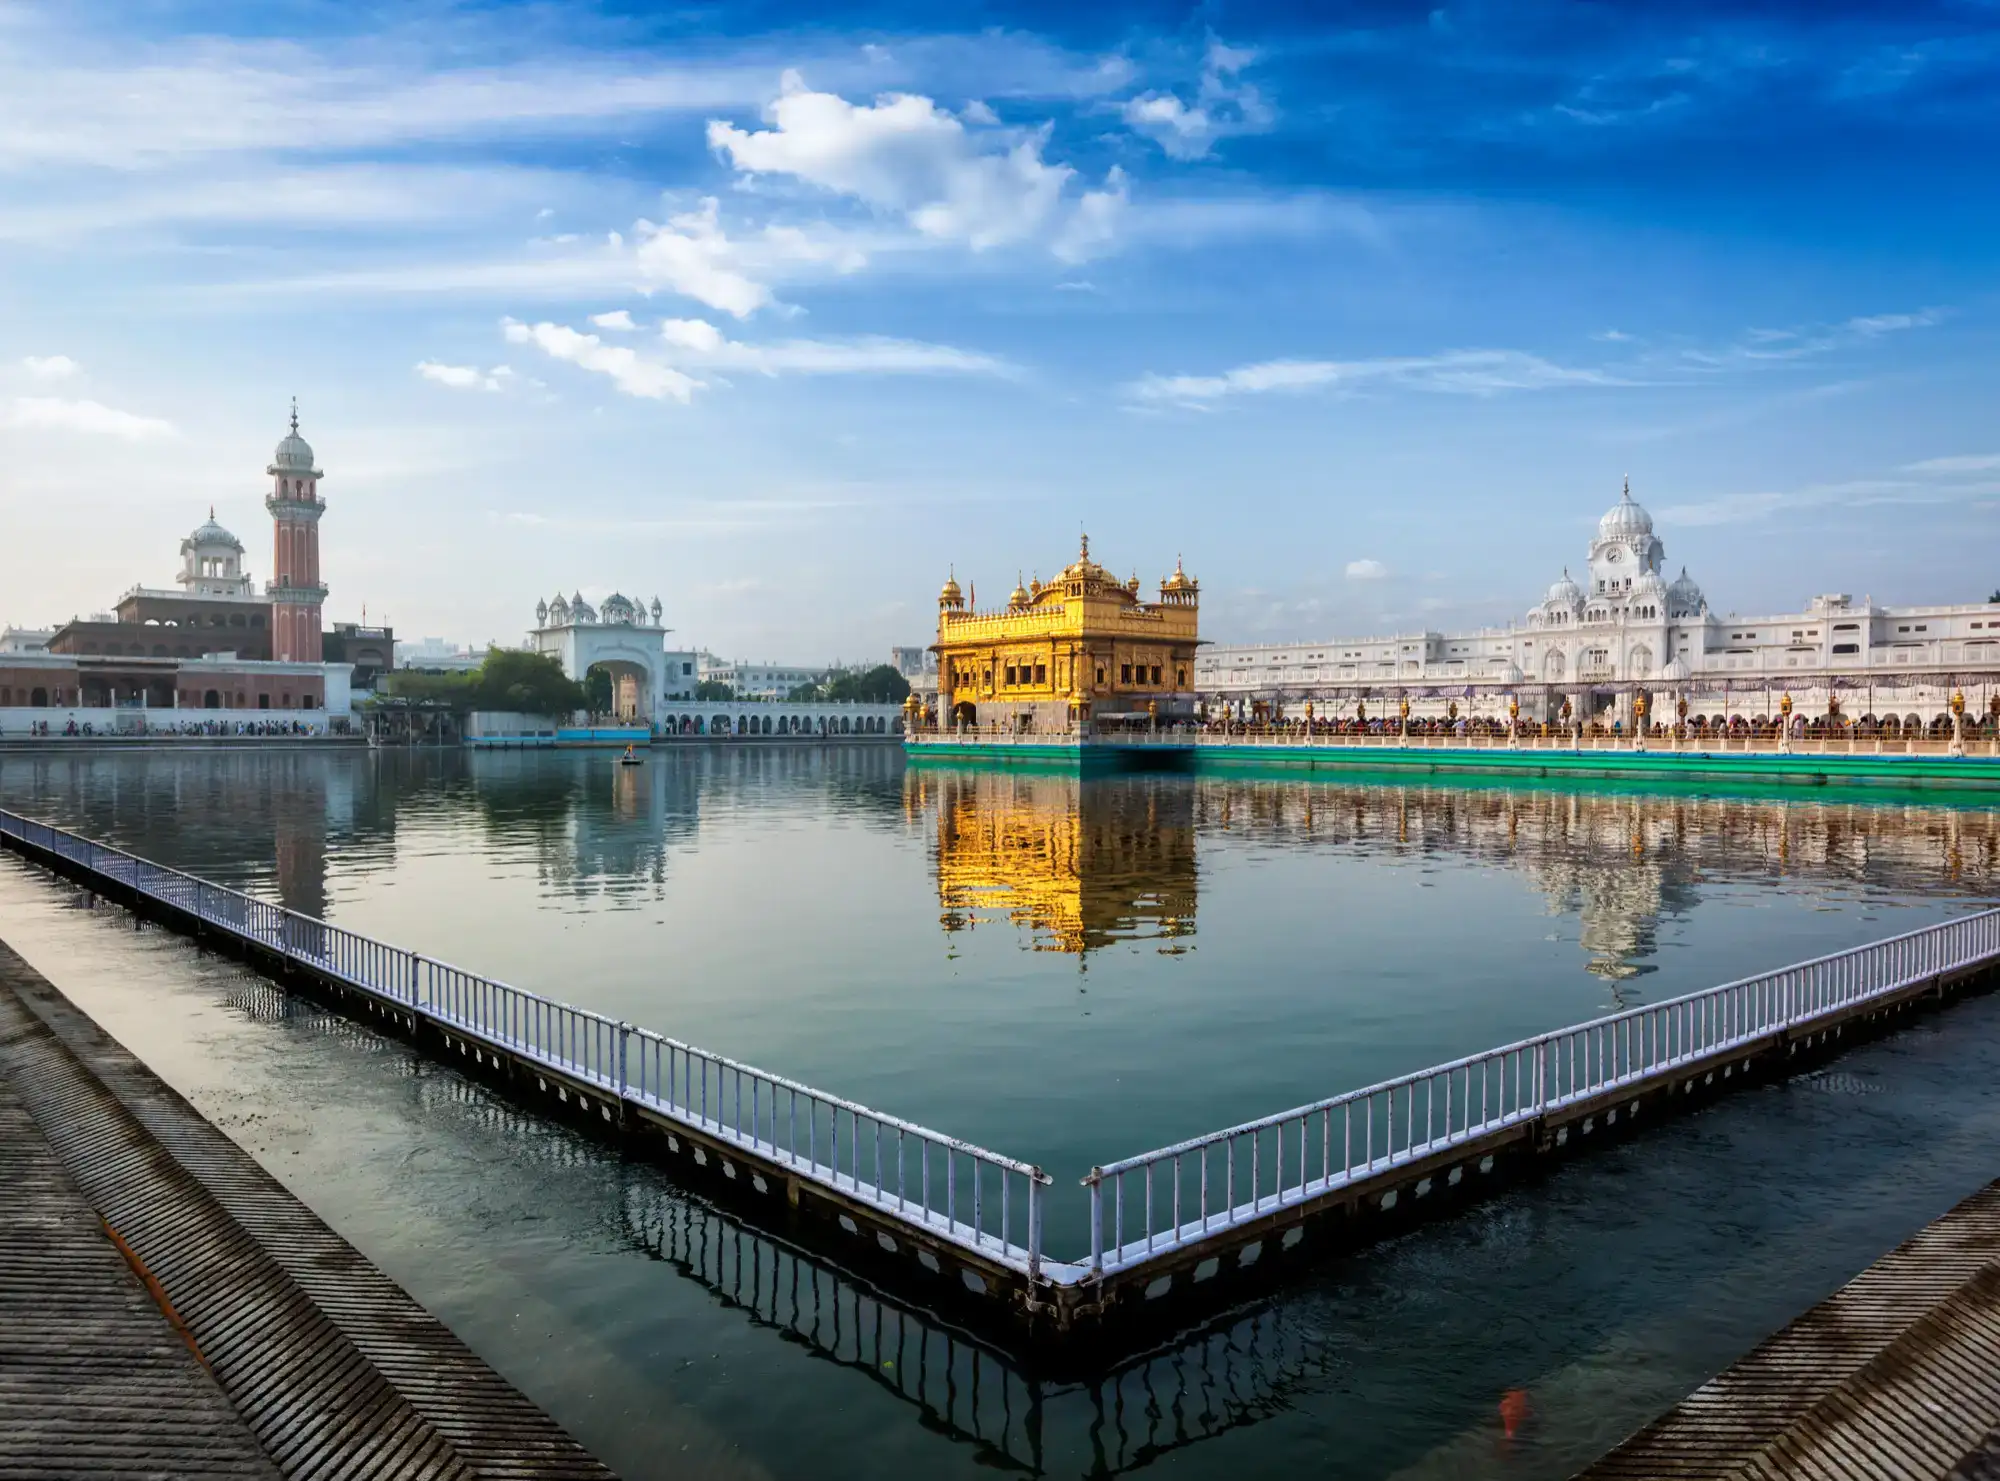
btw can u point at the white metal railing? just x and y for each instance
(1141, 1208)
(953, 1190)
(1164, 1200)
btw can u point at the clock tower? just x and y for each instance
(295, 590)
(1625, 550)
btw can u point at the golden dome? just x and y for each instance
(1180, 580)
(1018, 598)
(950, 595)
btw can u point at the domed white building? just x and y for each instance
(626, 639)
(1626, 629)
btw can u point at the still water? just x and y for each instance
(1067, 972)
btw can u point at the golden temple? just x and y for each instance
(1069, 655)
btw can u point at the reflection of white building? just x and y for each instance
(1626, 627)
(623, 638)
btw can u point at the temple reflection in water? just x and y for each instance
(1080, 864)
(1076, 865)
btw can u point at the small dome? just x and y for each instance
(1649, 584)
(210, 535)
(580, 610)
(949, 595)
(294, 454)
(1625, 518)
(617, 609)
(658, 611)
(1018, 598)
(1180, 580)
(1683, 596)
(1565, 593)
(1676, 672)
(541, 611)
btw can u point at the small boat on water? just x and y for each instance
(631, 758)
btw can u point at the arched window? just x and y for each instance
(39, 699)
(1552, 664)
(211, 700)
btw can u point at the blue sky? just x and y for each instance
(779, 313)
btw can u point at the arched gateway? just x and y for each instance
(625, 641)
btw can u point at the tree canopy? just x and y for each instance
(879, 685)
(507, 679)
(714, 690)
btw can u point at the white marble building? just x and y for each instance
(1626, 628)
(624, 638)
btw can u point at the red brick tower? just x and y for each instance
(295, 590)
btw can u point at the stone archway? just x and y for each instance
(625, 684)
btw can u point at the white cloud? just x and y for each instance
(1871, 325)
(692, 345)
(904, 154)
(1093, 225)
(1970, 463)
(1225, 106)
(464, 377)
(1456, 372)
(694, 342)
(1367, 570)
(50, 367)
(692, 255)
(629, 371)
(92, 417)
(618, 319)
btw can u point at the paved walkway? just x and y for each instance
(1894, 1377)
(167, 1308)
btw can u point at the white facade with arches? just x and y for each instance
(1624, 629)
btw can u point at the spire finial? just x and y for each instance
(1628, 488)
(211, 514)
(1086, 546)
(295, 416)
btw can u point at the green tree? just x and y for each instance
(532, 683)
(506, 679)
(714, 690)
(597, 691)
(879, 685)
(805, 694)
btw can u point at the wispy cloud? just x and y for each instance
(628, 370)
(687, 345)
(1224, 106)
(1964, 463)
(1367, 570)
(465, 377)
(1857, 493)
(50, 367)
(1454, 372)
(93, 418)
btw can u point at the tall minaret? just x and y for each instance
(295, 590)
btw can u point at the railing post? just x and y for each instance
(1096, 1182)
(1035, 1181)
(624, 1036)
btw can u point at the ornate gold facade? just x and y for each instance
(1080, 650)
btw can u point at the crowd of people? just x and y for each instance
(335, 725)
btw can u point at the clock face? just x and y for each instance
(1614, 554)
